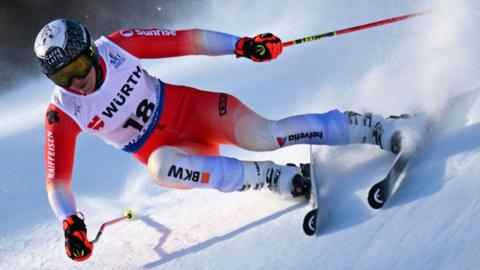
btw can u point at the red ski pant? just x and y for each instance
(195, 120)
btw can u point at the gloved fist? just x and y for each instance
(77, 246)
(261, 48)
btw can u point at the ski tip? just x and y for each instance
(376, 199)
(310, 223)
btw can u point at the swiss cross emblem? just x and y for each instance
(96, 123)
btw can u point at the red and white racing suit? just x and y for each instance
(182, 126)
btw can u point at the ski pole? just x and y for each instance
(353, 29)
(127, 215)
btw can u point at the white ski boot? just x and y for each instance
(388, 133)
(286, 181)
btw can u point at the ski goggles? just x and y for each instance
(78, 68)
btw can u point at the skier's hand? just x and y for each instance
(77, 246)
(261, 48)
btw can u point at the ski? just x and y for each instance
(311, 220)
(382, 191)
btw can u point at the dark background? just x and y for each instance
(20, 22)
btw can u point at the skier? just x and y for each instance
(101, 88)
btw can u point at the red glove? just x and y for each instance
(77, 246)
(261, 48)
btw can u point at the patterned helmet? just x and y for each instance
(60, 42)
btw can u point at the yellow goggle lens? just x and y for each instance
(79, 68)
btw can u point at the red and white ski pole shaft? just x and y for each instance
(354, 29)
(126, 216)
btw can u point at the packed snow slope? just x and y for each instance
(432, 222)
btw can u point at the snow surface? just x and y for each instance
(431, 223)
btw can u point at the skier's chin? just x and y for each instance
(85, 85)
(86, 89)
